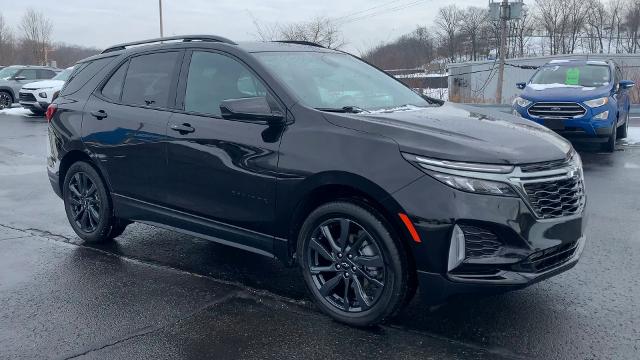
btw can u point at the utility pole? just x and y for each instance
(504, 16)
(160, 8)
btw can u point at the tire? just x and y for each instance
(37, 112)
(87, 203)
(369, 270)
(6, 100)
(622, 131)
(610, 145)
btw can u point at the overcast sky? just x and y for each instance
(102, 23)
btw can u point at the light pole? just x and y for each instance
(504, 16)
(160, 8)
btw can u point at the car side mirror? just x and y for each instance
(250, 109)
(18, 78)
(521, 85)
(627, 84)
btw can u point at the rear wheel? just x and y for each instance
(88, 205)
(622, 131)
(353, 268)
(6, 100)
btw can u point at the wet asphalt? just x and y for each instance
(156, 294)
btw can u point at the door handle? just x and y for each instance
(182, 128)
(100, 114)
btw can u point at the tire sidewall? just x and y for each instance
(391, 256)
(105, 216)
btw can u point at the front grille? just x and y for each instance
(26, 97)
(557, 110)
(544, 166)
(479, 242)
(546, 259)
(556, 198)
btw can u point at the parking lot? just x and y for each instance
(157, 294)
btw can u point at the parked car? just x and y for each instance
(12, 78)
(372, 192)
(581, 100)
(37, 96)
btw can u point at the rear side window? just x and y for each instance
(149, 79)
(82, 73)
(46, 74)
(113, 88)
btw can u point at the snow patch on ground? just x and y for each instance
(17, 111)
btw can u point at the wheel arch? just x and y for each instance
(336, 186)
(10, 91)
(74, 156)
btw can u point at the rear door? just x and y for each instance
(125, 124)
(222, 169)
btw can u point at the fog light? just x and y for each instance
(43, 95)
(602, 116)
(456, 249)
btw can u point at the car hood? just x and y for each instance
(563, 93)
(44, 84)
(462, 133)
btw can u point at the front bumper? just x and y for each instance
(30, 99)
(435, 209)
(584, 128)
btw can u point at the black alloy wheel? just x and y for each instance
(353, 264)
(346, 265)
(5, 100)
(85, 202)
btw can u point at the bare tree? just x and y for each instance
(595, 24)
(473, 20)
(448, 22)
(36, 31)
(7, 43)
(319, 30)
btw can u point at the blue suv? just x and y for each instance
(581, 100)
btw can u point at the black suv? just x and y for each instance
(314, 157)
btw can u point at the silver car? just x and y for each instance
(12, 78)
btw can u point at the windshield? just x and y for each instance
(567, 75)
(63, 75)
(8, 72)
(339, 81)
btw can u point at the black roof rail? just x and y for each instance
(184, 38)
(300, 42)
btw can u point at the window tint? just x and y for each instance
(148, 79)
(113, 88)
(46, 74)
(82, 73)
(29, 74)
(213, 78)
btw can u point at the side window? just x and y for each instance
(29, 74)
(46, 74)
(213, 78)
(82, 73)
(149, 79)
(113, 88)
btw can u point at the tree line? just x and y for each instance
(547, 27)
(31, 43)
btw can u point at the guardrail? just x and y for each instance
(635, 108)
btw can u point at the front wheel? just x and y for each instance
(352, 266)
(622, 131)
(88, 206)
(610, 145)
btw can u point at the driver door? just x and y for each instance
(221, 169)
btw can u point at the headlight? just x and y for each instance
(602, 116)
(521, 102)
(43, 95)
(597, 102)
(474, 185)
(466, 176)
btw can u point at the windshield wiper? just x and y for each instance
(344, 109)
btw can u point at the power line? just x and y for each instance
(381, 11)
(365, 10)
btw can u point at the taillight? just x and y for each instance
(51, 110)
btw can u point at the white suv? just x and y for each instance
(37, 96)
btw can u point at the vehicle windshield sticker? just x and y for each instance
(573, 77)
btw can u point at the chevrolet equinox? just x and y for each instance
(316, 158)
